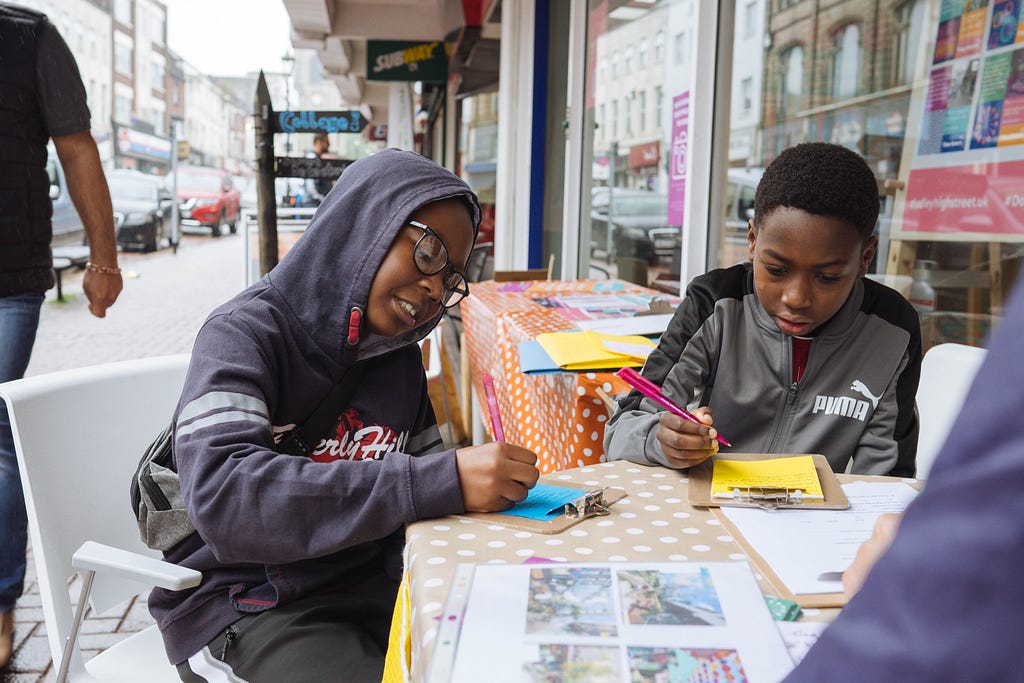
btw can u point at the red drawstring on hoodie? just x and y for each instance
(355, 318)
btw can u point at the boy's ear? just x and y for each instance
(751, 239)
(868, 253)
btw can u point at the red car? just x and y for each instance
(208, 198)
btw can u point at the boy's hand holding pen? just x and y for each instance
(497, 475)
(686, 438)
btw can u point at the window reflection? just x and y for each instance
(854, 72)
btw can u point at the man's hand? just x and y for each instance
(495, 476)
(101, 289)
(686, 443)
(89, 193)
(870, 551)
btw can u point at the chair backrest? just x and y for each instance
(476, 268)
(79, 435)
(947, 371)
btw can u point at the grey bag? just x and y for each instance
(156, 497)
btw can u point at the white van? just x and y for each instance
(737, 210)
(67, 226)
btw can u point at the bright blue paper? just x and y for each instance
(533, 359)
(543, 497)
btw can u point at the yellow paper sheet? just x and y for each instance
(587, 350)
(780, 473)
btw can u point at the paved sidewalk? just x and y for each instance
(165, 299)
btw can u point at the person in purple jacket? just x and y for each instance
(944, 601)
(301, 556)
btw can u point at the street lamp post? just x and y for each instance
(288, 62)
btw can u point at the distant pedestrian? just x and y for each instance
(317, 188)
(41, 96)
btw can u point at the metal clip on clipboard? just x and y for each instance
(768, 498)
(590, 504)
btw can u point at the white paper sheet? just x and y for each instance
(810, 549)
(799, 636)
(614, 621)
(638, 324)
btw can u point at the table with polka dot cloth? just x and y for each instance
(653, 523)
(558, 416)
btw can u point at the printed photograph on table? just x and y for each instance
(679, 599)
(561, 662)
(683, 665)
(681, 621)
(571, 601)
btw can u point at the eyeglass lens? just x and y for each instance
(431, 257)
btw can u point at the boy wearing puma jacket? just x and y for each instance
(301, 556)
(794, 351)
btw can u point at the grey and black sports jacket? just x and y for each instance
(721, 349)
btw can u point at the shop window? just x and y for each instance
(792, 80)
(906, 44)
(642, 107)
(845, 67)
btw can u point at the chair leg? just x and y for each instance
(76, 626)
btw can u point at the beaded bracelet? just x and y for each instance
(106, 270)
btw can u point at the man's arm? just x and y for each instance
(88, 189)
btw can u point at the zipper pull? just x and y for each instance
(229, 636)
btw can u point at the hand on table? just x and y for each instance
(495, 476)
(869, 552)
(686, 443)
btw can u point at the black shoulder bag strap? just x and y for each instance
(302, 439)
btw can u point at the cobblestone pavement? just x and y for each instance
(165, 299)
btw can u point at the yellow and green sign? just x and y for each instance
(400, 60)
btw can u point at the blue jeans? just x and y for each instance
(19, 319)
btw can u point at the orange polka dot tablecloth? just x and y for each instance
(559, 416)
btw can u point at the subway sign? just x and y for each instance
(351, 121)
(401, 60)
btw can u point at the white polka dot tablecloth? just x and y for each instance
(653, 523)
(560, 416)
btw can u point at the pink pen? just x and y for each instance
(492, 408)
(653, 392)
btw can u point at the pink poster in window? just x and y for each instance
(677, 158)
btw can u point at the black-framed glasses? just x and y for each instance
(431, 257)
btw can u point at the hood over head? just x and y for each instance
(325, 278)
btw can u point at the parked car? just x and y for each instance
(208, 199)
(67, 226)
(142, 207)
(632, 223)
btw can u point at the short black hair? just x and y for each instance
(822, 179)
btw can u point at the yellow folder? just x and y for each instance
(591, 350)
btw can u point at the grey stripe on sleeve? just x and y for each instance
(216, 400)
(220, 418)
(427, 441)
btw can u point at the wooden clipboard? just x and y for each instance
(700, 484)
(765, 569)
(552, 526)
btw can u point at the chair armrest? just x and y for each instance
(93, 556)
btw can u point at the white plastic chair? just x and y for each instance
(947, 371)
(78, 436)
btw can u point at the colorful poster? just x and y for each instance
(972, 28)
(969, 160)
(677, 158)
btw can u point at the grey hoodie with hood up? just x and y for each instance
(274, 528)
